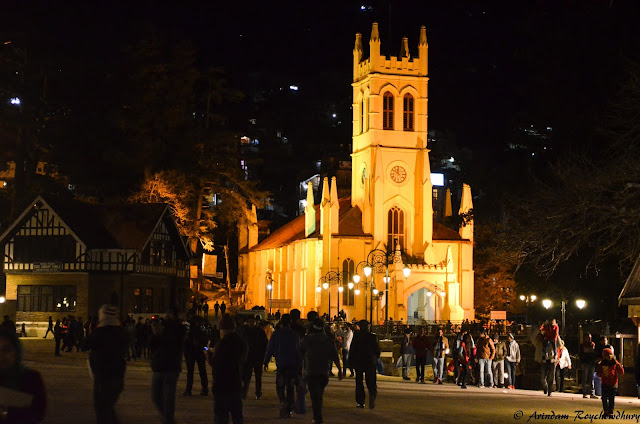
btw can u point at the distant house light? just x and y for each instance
(363, 7)
(15, 101)
(334, 115)
(437, 179)
(293, 87)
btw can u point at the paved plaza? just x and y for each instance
(69, 391)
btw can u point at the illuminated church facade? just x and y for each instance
(390, 209)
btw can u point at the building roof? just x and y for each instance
(442, 232)
(349, 225)
(116, 226)
(630, 294)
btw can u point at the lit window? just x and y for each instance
(407, 116)
(387, 111)
(348, 271)
(395, 228)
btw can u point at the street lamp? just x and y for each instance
(270, 288)
(327, 280)
(2, 299)
(528, 300)
(581, 303)
(547, 303)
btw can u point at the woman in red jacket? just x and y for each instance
(609, 370)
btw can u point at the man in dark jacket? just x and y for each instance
(364, 355)
(108, 345)
(257, 341)
(283, 345)
(318, 349)
(166, 345)
(197, 340)
(226, 360)
(587, 358)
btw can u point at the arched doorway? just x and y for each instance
(424, 303)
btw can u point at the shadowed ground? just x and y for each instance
(69, 390)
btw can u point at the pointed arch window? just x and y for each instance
(387, 111)
(348, 271)
(407, 116)
(366, 109)
(362, 115)
(395, 228)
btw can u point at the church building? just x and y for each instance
(420, 270)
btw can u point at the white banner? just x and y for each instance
(209, 265)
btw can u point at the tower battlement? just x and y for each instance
(403, 64)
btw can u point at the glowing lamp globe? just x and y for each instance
(357, 292)
(375, 292)
(318, 289)
(581, 303)
(356, 278)
(269, 286)
(429, 294)
(533, 297)
(340, 289)
(367, 271)
(522, 297)
(443, 293)
(547, 303)
(325, 285)
(406, 271)
(350, 285)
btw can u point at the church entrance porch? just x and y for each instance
(424, 304)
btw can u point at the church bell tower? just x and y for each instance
(391, 176)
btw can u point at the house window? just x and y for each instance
(348, 270)
(407, 117)
(395, 228)
(46, 298)
(387, 111)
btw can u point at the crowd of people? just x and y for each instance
(240, 348)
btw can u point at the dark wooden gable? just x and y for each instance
(39, 240)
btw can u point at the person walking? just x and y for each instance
(486, 352)
(345, 334)
(317, 349)
(49, 328)
(609, 370)
(283, 345)
(406, 350)
(549, 362)
(420, 347)
(498, 362)
(223, 308)
(14, 376)
(440, 348)
(512, 360)
(226, 360)
(57, 336)
(465, 357)
(257, 341)
(564, 363)
(166, 344)
(364, 355)
(196, 340)
(216, 309)
(588, 358)
(8, 324)
(108, 346)
(205, 309)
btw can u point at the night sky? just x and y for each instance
(495, 67)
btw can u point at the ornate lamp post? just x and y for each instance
(379, 261)
(527, 299)
(329, 279)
